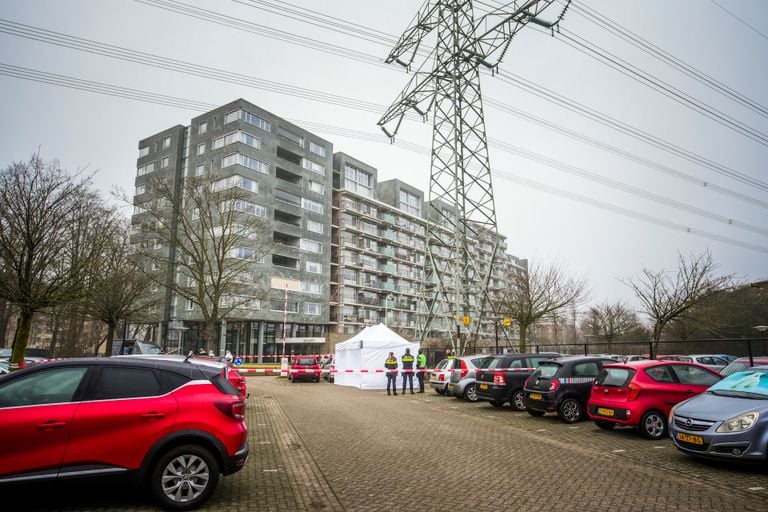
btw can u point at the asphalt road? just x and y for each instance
(321, 447)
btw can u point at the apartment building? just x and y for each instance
(287, 173)
(346, 250)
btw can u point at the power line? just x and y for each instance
(526, 85)
(148, 97)
(733, 15)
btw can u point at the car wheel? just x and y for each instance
(518, 400)
(184, 477)
(653, 425)
(497, 403)
(570, 410)
(471, 393)
(605, 425)
(535, 413)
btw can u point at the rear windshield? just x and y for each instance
(619, 377)
(547, 370)
(500, 362)
(740, 366)
(482, 362)
(306, 361)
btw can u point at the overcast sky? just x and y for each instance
(574, 199)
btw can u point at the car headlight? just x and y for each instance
(672, 412)
(739, 423)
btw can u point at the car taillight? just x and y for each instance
(498, 379)
(441, 376)
(634, 390)
(554, 384)
(235, 410)
(464, 372)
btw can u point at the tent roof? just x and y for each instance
(374, 336)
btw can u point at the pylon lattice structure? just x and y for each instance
(461, 203)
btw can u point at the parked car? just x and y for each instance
(503, 378)
(640, 394)
(728, 357)
(174, 426)
(304, 368)
(563, 385)
(126, 347)
(3, 367)
(441, 376)
(728, 421)
(462, 381)
(328, 368)
(741, 364)
(712, 362)
(635, 357)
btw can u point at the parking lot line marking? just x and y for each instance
(618, 451)
(573, 427)
(541, 430)
(756, 488)
(659, 447)
(261, 424)
(265, 442)
(270, 471)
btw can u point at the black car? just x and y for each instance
(503, 378)
(563, 385)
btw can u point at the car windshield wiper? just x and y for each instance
(739, 394)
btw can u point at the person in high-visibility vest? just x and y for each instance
(391, 365)
(449, 354)
(407, 360)
(421, 368)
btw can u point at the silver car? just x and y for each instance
(728, 421)
(462, 383)
(441, 375)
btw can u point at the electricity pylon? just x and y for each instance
(461, 204)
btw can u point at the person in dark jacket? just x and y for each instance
(407, 360)
(391, 365)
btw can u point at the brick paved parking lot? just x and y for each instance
(321, 447)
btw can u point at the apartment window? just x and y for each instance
(158, 243)
(358, 180)
(166, 142)
(231, 138)
(243, 253)
(311, 245)
(202, 128)
(312, 308)
(235, 181)
(409, 203)
(312, 206)
(287, 197)
(249, 118)
(190, 305)
(195, 213)
(140, 189)
(137, 210)
(290, 136)
(281, 305)
(164, 162)
(143, 151)
(200, 170)
(315, 227)
(312, 166)
(310, 287)
(314, 268)
(248, 208)
(200, 149)
(316, 186)
(146, 169)
(317, 149)
(245, 161)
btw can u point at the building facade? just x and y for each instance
(345, 250)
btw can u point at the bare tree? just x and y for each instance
(118, 290)
(538, 292)
(665, 295)
(610, 321)
(50, 230)
(6, 313)
(204, 238)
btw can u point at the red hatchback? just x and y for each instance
(175, 425)
(641, 393)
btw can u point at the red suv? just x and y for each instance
(176, 425)
(305, 368)
(641, 393)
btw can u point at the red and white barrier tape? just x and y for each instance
(365, 370)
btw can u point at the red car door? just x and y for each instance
(36, 413)
(127, 412)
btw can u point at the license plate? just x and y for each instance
(535, 396)
(605, 412)
(690, 439)
(483, 386)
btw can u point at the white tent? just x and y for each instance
(367, 350)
